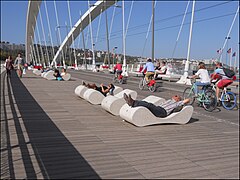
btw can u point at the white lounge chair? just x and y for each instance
(43, 73)
(96, 97)
(37, 72)
(117, 90)
(66, 77)
(114, 103)
(141, 116)
(93, 96)
(49, 75)
(80, 90)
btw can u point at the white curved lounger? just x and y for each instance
(80, 90)
(66, 77)
(114, 103)
(141, 116)
(37, 72)
(93, 96)
(117, 90)
(43, 73)
(49, 75)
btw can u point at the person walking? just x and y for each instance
(19, 63)
(9, 65)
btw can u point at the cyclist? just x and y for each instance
(118, 69)
(224, 80)
(150, 69)
(202, 73)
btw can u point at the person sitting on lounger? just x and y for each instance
(163, 110)
(57, 75)
(63, 72)
(160, 69)
(102, 89)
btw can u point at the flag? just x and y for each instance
(234, 54)
(229, 51)
(219, 51)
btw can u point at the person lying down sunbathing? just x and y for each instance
(174, 104)
(103, 89)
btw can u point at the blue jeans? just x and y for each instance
(199, 84)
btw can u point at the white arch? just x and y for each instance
(82, 23)
(33, 9)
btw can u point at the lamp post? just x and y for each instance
(227, 38)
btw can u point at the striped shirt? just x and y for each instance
(171, 104)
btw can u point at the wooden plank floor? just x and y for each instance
(48, 132)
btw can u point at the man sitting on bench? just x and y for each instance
(172, 105)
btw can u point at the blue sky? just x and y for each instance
(212, 23)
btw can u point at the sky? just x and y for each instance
(212, 22)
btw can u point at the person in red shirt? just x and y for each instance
(118, 68)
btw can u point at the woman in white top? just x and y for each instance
(202, 73)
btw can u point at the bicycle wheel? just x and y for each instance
(152, 88)
(114, 79)
(209, 100)
(229, 100)
(120, 81)
(188, 93)
(141, 86)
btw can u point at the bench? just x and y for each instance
(114, 103)
(141, 116)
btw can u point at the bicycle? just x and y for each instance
(207, 97)
(119, 78)
(151, 85)
(228, 99)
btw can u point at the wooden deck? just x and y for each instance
(48, 132)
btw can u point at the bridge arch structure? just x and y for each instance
(33, 9)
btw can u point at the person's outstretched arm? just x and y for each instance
(185, 101)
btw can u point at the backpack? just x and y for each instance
(228, 72)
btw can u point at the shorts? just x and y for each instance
(224, 83)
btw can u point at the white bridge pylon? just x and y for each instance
(95, 10)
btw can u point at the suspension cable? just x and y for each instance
(49, 29)
(44, 37)
(229, 33)
(59, 33)
(69, 14)
(180, 29)
(148, 30)
(43, 60)
(99, 20)
(38, 55)
(130, 13)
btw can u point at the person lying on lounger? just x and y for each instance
(103, 89)
(163, 110)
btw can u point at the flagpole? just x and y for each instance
(230, 57)
(236, 62)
